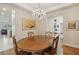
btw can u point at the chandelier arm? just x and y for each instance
(39, 12)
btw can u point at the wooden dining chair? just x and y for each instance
(54, 45)
(30, 35)
(17, 50)
(48, 34)
(52, 49)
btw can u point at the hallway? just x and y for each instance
(5, 43)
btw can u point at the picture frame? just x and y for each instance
(73, 25)
(28, 24)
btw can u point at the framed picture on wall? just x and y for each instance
(73, 25)
(28, 24)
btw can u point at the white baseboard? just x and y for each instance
(75, 46)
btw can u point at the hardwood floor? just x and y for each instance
(67, 50)
(6, 42)
(8, 52)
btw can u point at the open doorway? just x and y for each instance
(5, 29)
(55, 25)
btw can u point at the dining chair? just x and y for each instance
(52, 49)
(48, 34)
(30, 35)
(54, 45)
(17, 50)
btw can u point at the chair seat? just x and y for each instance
(48, 50)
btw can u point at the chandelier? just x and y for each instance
(39, 12)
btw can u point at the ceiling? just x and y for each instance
(42, 5)
(46, 6)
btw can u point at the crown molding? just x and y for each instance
(47, 10)
(58, 7)
(24, 7)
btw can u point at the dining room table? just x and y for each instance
(36, 43)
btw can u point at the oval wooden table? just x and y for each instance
(35, 44)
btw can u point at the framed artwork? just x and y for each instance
(73, 25)
(28, 24)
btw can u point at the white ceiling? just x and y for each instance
(42, 5)
(46, 6)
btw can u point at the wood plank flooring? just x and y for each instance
(67, 50)
(8, 52)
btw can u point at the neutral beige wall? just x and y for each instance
(19, 14)
(71, 13)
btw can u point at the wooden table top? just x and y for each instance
(36, 43)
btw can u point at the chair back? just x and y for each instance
(30, 35)
(48, 34)
(15, 45)
(55, 42)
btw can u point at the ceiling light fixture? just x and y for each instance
(39, 12)
(4, 9)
